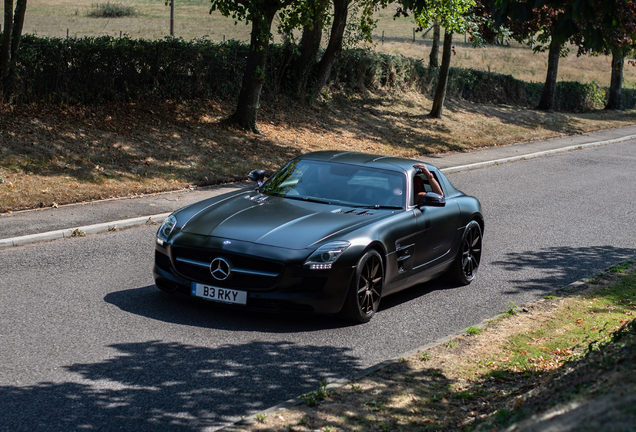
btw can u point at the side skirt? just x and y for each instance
(418, 278)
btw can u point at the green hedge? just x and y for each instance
(95, 70)
(359, 69)
(100, 69)
(629, 98)
(480, 86)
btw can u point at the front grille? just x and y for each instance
(236, 279)
(162, 261)
(241, 261)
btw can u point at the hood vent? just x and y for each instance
(354, 212)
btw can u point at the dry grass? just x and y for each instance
(192, 20)
(57, 154)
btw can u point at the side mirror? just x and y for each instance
(432, 199)
(258, 176)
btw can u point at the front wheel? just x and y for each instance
(466, 263)
(363, 297)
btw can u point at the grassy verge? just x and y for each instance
(565, 362)
(56, 154)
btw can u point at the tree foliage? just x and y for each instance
(597, 26)
(453, 16)
(612, 31)
(551, 23)
(343, 32)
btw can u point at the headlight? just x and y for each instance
(323, 257)
(165, 229)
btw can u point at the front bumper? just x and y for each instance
(294, 290)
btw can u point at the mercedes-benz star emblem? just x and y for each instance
(220, 268)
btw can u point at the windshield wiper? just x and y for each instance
(310, 199)
(316, 200)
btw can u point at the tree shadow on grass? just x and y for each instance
(527, 117)
(382, 120)
(559, 266)
(159, 385)
(145, 139)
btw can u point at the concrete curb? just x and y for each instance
(335, 384)
(537, 154)
(83, 230)
(127, 223)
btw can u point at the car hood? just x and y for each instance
(274, 221)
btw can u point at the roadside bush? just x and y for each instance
(574, 96)
(95, 70)
(486, 87)
(359, 70)
(110, 10)
(100, 69)
(629, 98)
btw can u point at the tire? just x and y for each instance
(365, 291)
(466, 263)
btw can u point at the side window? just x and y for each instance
(427, 186)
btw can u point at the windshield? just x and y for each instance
(336, 183)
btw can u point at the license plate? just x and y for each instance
(219, 294)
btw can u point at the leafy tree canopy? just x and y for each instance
(254, 11)
(453, 15)
(612, 29)
(307, 13)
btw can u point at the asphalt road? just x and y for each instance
(88, 342)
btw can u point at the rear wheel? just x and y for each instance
(466, 263)
(363, 297)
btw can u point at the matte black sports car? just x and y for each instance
(329, 232)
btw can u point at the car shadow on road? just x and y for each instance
(152, 303)
(158, 385)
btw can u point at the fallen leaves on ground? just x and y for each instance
(62, 154)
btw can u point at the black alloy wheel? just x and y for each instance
(363, 298)
(466, 263)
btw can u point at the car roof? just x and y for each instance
(364, 159)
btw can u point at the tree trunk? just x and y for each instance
(548, 97)
(254, 75)
(309, 46)
(340, 11)
(18, 23)
(434, 55)
(5, 54)
(440, 92)
(13, 23)
(615, 101)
